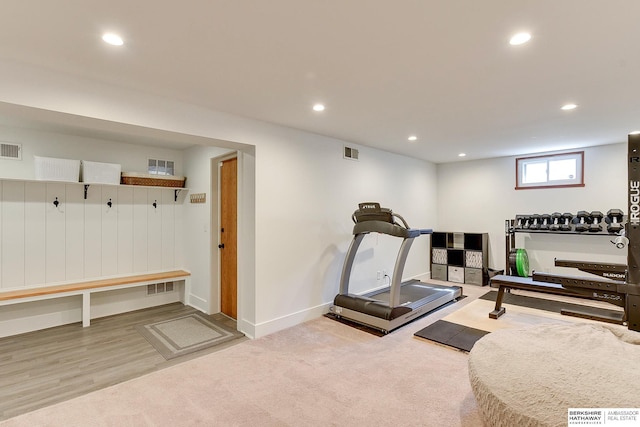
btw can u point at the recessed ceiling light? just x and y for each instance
(635, 132)
(113, 39)
(412, 138)
(569, 106)
(318, 107)
(519, 38)
(462, 154)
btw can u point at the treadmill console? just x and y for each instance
(371, 211)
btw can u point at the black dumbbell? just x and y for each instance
(546, 221)
(596, 220)
(556, 220)
(520, 221)
(614, 220)
(534, 222)
(567, 217)
(583, 219)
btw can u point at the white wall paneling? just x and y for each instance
(84, 238)
(74, 228)
(109, 217)
(13, 226)
(93, 232)
(168, 228)
(154, 227)
(124, 210)
(140, 232)
(35, 233)
(55, 233)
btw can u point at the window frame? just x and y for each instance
(578, 181)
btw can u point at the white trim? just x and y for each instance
(198, 304)
(284, 322)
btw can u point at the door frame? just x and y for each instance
(216, 279)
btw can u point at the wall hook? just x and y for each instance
(56, 202)
(109, 203)
(155, 204)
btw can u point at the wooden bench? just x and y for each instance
(86, 288)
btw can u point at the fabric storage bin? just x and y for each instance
(473, 259)
(53, 169)
(473, 276)
(100, 173)
(439, 256)
(455, 274)
(439, 272)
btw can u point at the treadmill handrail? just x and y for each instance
(384, 227)
(393, 215)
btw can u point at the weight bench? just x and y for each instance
(505, 283)
(86, 288)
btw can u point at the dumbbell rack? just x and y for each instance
(620, 284)
(572, 229)
(511, 229)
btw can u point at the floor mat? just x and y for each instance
(187, 334)
(451, 334)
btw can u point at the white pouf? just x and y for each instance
(532, 376)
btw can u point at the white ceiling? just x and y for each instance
(442, 70)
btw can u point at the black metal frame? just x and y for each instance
(623, 293)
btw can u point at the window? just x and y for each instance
(554, 170)
(160, 167)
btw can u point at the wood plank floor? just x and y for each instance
(41, 368)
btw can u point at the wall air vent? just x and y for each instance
(350, 153)
(10, 151)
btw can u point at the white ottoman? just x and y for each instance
(531, 376)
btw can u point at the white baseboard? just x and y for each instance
(265, 328)
(197, 303)
(284, 322)
(423, 277)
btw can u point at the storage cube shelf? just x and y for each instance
(460, 257)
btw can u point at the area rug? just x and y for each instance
(462, 328)
(186, 334)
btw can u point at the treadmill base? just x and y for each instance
(437, 297)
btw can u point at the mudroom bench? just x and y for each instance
(86, 288)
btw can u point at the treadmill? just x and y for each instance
(393, 306)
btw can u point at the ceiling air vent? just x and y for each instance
(350, 153)
(10, 151)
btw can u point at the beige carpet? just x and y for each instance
(321, 373)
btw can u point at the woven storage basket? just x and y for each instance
(131, 178)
